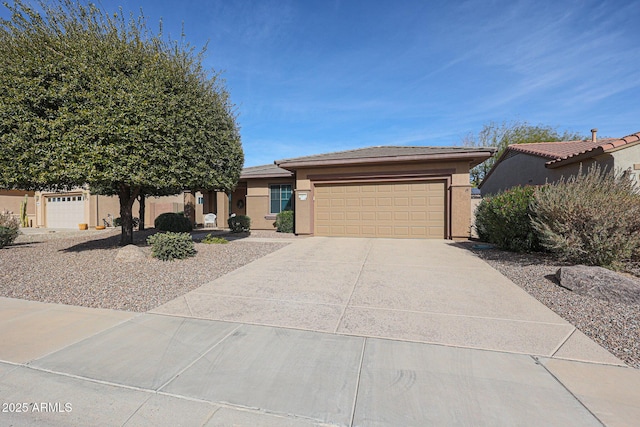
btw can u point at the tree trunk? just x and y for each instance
(141, 199)
(127, 196)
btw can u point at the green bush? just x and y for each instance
(9, 229)
(175, 222)
(169, 246)
(239, 223)
(504, 220)
(284, 222)
(211, 239)
(591, 218)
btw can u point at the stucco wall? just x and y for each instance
(10, 201)
(626, 159)
(258, 202)
(525, 169)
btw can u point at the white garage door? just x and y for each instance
(65, 211)
(395, 209)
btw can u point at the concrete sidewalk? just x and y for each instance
(352, 365)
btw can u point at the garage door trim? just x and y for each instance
(416, 175)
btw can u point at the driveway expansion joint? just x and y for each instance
(568, 390)
(204, 353)
(353, 289)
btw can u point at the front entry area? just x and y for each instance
(412, 209)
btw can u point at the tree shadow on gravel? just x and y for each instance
(110, 242)
(23, 244)
(201, 233)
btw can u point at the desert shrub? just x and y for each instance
(9, 229)
(591, 218)
(284, 222)
(239, 223)
(504, 220)
(210, 239)
(169, 246)
(7, 236)
(175, 222)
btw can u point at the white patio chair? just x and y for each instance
(210, 218)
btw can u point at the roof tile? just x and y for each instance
(562, 151)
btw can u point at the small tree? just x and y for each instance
(90, 98)
(508, 133)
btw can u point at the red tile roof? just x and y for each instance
(568, 151)
(556, 150)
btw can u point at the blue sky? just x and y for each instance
(314, 76)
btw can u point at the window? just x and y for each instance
(201, 200)
(280, 198)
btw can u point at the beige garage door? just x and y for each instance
(398, 209)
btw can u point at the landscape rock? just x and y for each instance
(130, 253)
(598, 282)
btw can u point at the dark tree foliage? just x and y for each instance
(94, 99)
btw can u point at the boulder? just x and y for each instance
(130, 253)
(598, 282)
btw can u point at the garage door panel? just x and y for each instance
(401, 201)
(368, 216)
(353, 216)
(64, 211)
(323, 203)
(419, 232)
(401, 216)
(401, 231)
(353, 230)
(384, 216)
(405, 209)
(419, 201)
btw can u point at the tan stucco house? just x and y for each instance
(392, 191)
(539, 163)
(68, 209)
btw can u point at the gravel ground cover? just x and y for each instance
(614, 326)
(80, 269)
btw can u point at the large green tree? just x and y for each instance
(94, 99)
(501, 135)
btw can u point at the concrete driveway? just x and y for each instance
(346, 332)
(412, 290)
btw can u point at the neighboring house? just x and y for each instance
(78, 206)
(539, 163)
(408, 192)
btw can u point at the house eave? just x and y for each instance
(474, 158)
